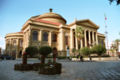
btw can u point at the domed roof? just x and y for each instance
(52, 17)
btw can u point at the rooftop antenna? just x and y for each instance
(106, 33)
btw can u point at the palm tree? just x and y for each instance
(79, 33)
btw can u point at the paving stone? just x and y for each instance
(105, 70)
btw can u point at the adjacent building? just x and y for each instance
(51, 29)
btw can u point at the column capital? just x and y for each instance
(50, 32)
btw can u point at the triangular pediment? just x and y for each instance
(87, 23)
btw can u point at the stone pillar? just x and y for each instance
(40, 35)
(96, 39)
(71, 40)
(85, 38)
(81, 41)
(61, 40)
(76, 43)
(10, 47)
(50, 38)
(93, 38)
(29, 37)
(89, 38)
(10, 42)
(17, 48)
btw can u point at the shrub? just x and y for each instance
(44, 51)
(31, 50)
(23, 67)
(50, 68)
(85, 51)
(36, 66)
(99, 49)
(62, 57)
(73, 51)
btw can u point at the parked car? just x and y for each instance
(7, 57)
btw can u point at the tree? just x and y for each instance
(79, 32)
(117, 44)
(31, 50)
(117, 1)
(73, 51)
(44, 51)
(99, 49)
(86, 51)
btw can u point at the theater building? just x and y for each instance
(51, 29)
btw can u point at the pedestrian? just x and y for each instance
(81, 58)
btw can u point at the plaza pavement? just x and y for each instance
(104, 70)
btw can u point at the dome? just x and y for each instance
(53, 17)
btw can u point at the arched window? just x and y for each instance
(54, 37)
(45, 36)
(35, 36)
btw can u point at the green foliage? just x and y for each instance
(79, 32)
(85, 51)
(45, 50)
(117, 1)
(31, 50)
(73, 50)
(50, 68)
(99, 49)
(23, 67)
(116, 44)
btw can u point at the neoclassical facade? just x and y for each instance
(51, 29)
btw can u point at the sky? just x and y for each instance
(14, 13)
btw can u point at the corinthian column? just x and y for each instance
(71, 39)
(40, 35)
(61, 40)
(81, 43)
(85, 38)
(93, 37)
(17, 48)
(76, 43)
(89, 38)
(50, 38)
(96, 38)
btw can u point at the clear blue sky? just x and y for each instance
(14, 13)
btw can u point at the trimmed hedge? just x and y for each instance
(36, 66)
(23, 67)
(48, 69)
